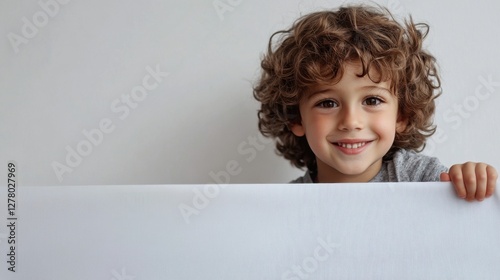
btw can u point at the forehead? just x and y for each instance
(352, 78)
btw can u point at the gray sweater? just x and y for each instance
(405, 166)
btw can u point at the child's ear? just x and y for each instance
(401, 124)
(297, 129)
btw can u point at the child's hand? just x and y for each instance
(472, 180)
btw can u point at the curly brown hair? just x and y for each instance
(314, 51)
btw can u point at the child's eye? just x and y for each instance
(372, 101)
(327, 104)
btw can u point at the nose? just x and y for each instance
(350, 119)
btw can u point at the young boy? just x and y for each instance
(349, 94)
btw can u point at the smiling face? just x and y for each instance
(349, 126)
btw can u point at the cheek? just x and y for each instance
(384, 125)
(318, 124)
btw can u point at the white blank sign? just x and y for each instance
(274, 231)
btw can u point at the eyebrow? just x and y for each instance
(309, 96)
(377, 87)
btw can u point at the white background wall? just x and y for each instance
(70, 66)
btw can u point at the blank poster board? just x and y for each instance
(274, 231)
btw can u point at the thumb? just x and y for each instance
(444, 177)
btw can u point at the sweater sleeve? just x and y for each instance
(413, 167)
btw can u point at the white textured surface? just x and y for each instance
(375, 231)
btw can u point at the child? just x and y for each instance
(349, 94)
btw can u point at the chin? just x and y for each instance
(353, 172)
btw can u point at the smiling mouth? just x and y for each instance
(351, 145)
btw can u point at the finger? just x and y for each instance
(455, 174)
(492, 180)
(444, 177)
(481, 181)
(469, 179)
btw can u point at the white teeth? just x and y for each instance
(352, 146)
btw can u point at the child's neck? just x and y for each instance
(327, 174)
